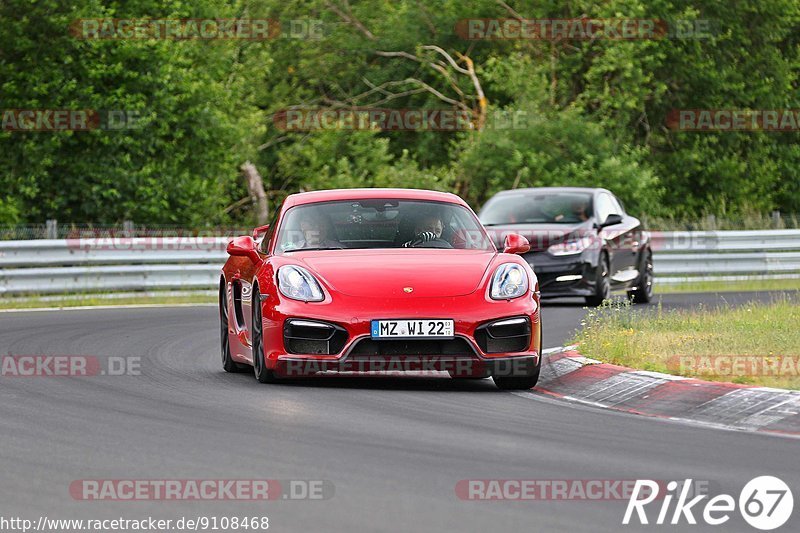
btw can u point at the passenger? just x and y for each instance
(315, 234)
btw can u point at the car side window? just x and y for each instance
(603, 207)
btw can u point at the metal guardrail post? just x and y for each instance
(52, 229)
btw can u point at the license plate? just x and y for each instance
(412, 329)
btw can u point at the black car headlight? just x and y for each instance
(570, 247)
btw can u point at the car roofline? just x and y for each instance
(332, 195)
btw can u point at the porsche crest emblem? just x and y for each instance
(408, 289)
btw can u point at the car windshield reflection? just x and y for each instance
(366, 224)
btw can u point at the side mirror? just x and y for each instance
(516, 244)
(259, 231)
(244, 247)
(612, 220)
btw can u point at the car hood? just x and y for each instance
(388, 273)
(541, 236)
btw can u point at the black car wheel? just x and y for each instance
(225, 346)
(262, 373)
(602, 291)
(644, 290)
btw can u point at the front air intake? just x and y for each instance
(313, 338)
(508, 335)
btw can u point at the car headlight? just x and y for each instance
(297, 283)
(509, 281)
(570, 247)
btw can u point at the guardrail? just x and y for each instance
(146, 263)
(689, 256)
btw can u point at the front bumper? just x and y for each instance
(473, 351)
(560, 276)
(458, 366)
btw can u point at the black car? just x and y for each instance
(583, 243)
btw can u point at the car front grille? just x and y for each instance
(457, 347)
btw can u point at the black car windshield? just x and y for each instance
(538, 208)
(379, 223)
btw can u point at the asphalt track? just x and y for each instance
(394, 449)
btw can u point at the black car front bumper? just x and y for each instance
(560, 276)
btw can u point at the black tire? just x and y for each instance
(225, 346)
(260, 370)
(525, 382)
(602, 291)
(644, 290)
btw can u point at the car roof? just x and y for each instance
(590, 190)
(332, 195)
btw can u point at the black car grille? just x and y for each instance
(457, 347)
(313, 337)
(504, 336)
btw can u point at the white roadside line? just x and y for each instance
(104, 307)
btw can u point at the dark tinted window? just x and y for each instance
(538, 208)
(378, 223)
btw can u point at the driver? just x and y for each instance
(428, 228)
(578, 210)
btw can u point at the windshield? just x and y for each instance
(361, 224)
(538, 208)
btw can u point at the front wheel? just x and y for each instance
(260, 370)
(644, 290)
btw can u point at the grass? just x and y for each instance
(76, 300)
(763, 338)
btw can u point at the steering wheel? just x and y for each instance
(433, 243)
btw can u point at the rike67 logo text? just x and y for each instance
(766, 503)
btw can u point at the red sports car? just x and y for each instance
(364, 280)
